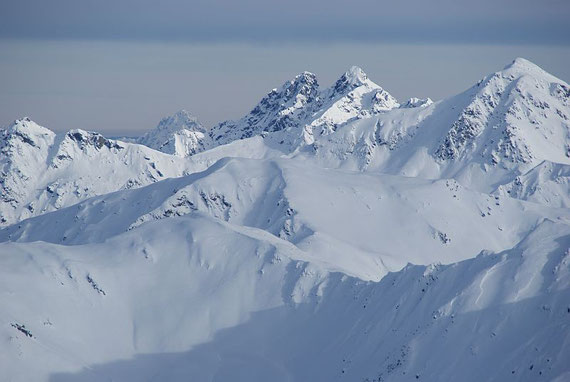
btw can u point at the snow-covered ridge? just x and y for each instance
(23, 145)
(196, 297)
(301, 109)
(329, 235)
(327, 213)
(43, 171)
(417, 102)
(511, 116)
(499, 129)
(548, 184)
(508, 123)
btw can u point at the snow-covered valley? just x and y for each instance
(329, 234)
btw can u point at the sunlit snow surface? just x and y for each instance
(328, 235)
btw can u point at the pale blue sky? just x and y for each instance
(118, 66)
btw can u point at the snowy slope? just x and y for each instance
(330, 234)
(42, 172)
(197, 298)
(501, 128)
(485, 138)
(508, 123)
(358, 223)
(548, 183)
(23, 148)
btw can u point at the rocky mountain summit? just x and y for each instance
(179, 134)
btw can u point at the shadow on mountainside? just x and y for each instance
(365, 340)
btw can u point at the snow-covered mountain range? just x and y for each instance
(329, 234)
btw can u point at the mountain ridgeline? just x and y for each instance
(492, 134)
(331, 234)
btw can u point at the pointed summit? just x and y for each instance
(304, 84)
(355, 75)
(351, 79)
(299, 103)
(306, 77)
(27, 131)
(281, 109)
(180, 134)
(515, 116)
(520, 67)
(353, 96)
(522, 64)
(179, 121)
(26, 124)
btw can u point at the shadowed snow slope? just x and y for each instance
(328, 235)
(197, 298)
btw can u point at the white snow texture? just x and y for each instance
(329, 235)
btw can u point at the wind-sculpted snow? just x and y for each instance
(360, 223)
(328, 235)
(548, 184)
(196, 298)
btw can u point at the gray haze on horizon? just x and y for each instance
(124, 88)
(118, 66)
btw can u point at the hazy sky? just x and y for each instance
(118, 66)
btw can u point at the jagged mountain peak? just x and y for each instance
(306, 77)
(304, 84)
(26, 131)
(519, 68)
(281, 108)
(21, 121)
(350, 80)
(354, 75)
(300, 104)
(356, 80)
(180, 134)
(180, 120)
(26, 124)
(353, 96)
(518, 115)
